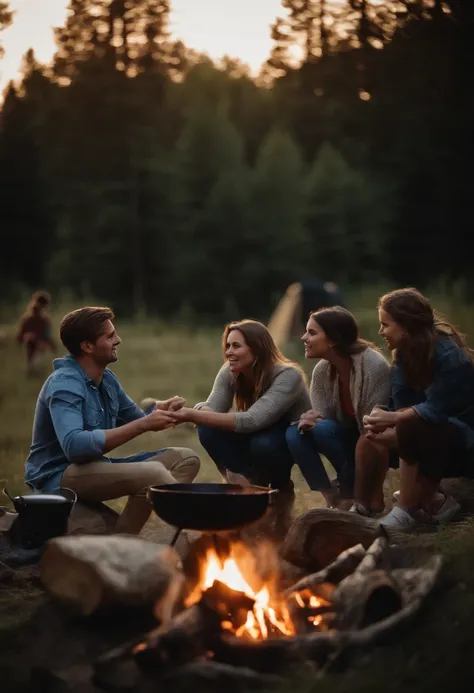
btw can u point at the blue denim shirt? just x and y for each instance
(450, 397)
(71, 417)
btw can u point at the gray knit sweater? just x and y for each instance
(369, 386)
(287, 397)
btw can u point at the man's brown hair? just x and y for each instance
(83, 325)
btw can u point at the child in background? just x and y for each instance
(35, 329)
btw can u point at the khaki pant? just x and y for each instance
(103, 481)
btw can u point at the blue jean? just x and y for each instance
(262, 457)
(334, 440)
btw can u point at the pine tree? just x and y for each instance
(131, 36)
(307, 28)
(346, 217)
(279, 239)
(27, 228)
(5, 19)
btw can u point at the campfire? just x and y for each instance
(235, 611)
(269, 615)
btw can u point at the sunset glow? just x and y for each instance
(218, 27)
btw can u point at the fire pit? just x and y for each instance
(237, 614)
(233, 615)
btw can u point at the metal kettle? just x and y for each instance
(42, 516)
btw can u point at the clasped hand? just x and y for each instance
(308, 420)
(163, 414)
(378, 421)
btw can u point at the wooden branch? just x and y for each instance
(275, 655)
(373, 556)
(228, 603)
(417, 583)
(366, 597)
(344, 565)
(190, 634)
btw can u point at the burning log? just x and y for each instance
(189, 635)
(344, 565)
(276, 655)
(187, 638)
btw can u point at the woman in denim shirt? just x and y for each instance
(432, 425)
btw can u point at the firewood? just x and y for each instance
(319, 536)
(190, 634)
(228, 603)
(373, 556)
(275, 655)
(344, 565)
(365, 598)
(96, 571)
(187, 636)
(215, 677)
(301, 615)
(418, 583)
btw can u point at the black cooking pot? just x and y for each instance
(42, 516)
(209, 507)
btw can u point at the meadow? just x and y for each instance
(160, 360)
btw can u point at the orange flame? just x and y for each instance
(268, 614)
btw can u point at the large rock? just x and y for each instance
(102, 571)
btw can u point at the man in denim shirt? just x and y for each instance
(82, 413)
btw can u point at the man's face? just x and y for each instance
(104, 351)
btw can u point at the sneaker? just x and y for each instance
(398, 520)
(359, 509)
(447, 511)
(437, 497)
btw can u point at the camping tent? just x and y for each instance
(300, 299)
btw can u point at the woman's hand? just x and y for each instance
(387, 438)
(379, 420)
(184, 414)
(308, 420)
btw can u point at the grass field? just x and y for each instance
(155, 360)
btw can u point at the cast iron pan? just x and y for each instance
(209, 507)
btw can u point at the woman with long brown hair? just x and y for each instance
(267, 393)
(350, 378)
(432, 422)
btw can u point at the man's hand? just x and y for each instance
(158, 420)
(308, 420)
(379, 420)
(171, 404)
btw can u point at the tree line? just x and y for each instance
(139, 172)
